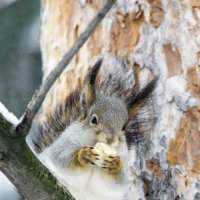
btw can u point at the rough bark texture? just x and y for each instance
(162, 37)
(25, 171)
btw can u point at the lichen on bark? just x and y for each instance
(27, 173)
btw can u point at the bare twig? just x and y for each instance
(39, 95)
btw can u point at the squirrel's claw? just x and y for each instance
(87, 155)
(112, 164)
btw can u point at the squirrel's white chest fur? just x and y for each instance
(83, 184)
(89, 184)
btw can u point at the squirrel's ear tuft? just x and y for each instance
(89, 94)
(135, 102)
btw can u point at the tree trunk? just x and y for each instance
(162, 37)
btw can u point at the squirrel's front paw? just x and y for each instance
(112, 164)
(86, 155)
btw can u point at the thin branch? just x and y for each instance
(39, 96)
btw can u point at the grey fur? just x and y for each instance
(70, 126)
(117, 84)
(112, 114)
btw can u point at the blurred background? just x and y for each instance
(20, 63)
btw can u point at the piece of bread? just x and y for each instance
(104, 149)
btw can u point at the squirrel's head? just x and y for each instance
(108, 115)
(110, 109)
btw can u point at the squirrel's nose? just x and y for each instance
(113, 141)
(109, 141)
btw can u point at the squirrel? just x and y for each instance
(96, 113)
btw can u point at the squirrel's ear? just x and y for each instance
(135, 102)
(88, 93)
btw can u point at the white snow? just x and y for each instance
(8, 115)
(7, 190)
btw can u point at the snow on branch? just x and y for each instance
(10, 117)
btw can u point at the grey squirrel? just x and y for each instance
(100, 113)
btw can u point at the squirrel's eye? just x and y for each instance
(94, 120)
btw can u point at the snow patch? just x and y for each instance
(7, 190)
(8, 115)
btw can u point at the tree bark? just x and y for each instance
(19, 164)
(162, 37)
